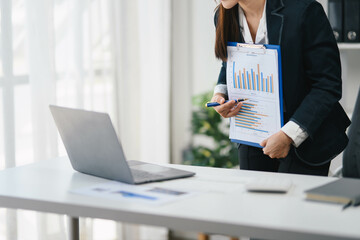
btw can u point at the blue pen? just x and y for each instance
(214, 104)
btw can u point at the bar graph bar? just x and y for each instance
(258, 76)
(245, 83)
(253, 79)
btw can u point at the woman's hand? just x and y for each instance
(277, 145)
(228, 109)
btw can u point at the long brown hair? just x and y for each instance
(227, 29)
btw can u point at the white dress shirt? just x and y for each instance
(291, 129)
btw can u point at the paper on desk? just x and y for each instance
(155, 195)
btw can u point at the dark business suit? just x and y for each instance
(351, 156)
(311, 74)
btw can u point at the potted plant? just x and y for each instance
(214, 130)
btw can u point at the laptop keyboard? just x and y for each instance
(141, 175)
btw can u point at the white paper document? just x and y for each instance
(254, 74)
(150, 194)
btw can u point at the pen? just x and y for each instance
(214, 104)
(347, 205)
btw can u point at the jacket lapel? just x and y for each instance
(274, 20)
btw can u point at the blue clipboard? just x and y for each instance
(277, 48)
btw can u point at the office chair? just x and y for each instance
(351, 155)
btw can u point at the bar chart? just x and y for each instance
(249, 118)
(252, 79)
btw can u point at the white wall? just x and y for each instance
(194, 67)
(206, 66)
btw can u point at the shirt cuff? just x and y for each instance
(295, 132)
(221, 88)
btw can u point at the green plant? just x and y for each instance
(207, 122)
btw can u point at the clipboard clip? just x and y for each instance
(256, 46)
(253, 47)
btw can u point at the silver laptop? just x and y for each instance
(94, 148)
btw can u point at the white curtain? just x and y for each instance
(104, 55)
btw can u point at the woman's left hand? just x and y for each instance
(277, 145)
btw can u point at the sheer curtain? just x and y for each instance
(111, 56)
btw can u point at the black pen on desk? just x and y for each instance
(350, 203)
(214, 104)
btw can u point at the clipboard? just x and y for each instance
(254, 72)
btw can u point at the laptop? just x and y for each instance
(93, 148)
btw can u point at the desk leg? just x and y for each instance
(74, 233)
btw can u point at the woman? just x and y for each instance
(315, 123)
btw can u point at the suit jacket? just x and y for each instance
(311, 75)
(351, 156)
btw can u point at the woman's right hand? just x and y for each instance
(226, 110)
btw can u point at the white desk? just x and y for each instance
(225, 209)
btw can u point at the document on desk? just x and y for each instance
(155, 195)
(254, 73)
